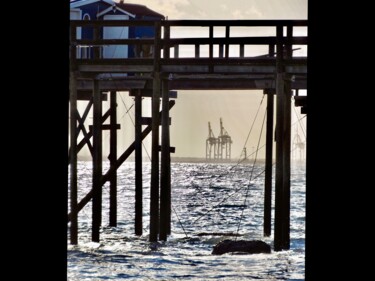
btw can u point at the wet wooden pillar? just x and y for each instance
(154, 193)
(97, 164)
(278, 235)
(165, 175)
(138, 164)
(113, 160)
(287, 146)
(268, 170)
(73, 161)
(73, 141)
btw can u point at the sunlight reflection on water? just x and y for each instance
(196, 191)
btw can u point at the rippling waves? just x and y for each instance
(206, 198)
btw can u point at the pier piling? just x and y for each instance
(165, 176)
(112, 160)
(138, 164)
(268, 169)
(73, 161)
(97, 164)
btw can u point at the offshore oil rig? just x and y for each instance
(119, 47)
(221, 146)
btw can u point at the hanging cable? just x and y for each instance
(252, 125)
(299, 122)
(178, 218)
(251, 175)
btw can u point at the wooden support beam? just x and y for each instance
(147, 93)
(176, 51)
(287, 145)
(242, 50)
(268, 170)
(78, 129)
(211, 46)
(227, 37)
(148, 121)
(300, 100)
(221, 50)
(81, 126)
(85, 113)
(97, 165)
(278, 231)
(73, 161)
(89, 134)
(119, 162)
(112, 68)
(84, 86)
(197, 50)
(86, 94)
(138, 164)
(165, 173)
(154, 188)
(167, 36)
(107, 127)
(112, 160)
(171, 149)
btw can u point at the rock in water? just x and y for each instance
(251, 247)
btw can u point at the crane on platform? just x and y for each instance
(224, 142)
(211, 142)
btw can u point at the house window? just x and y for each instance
(86, 17)
(85, 50)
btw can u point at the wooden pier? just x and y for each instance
(159, 77)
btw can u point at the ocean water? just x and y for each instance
(206, 198)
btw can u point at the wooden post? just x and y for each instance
(154, 196)
(286, 147)
(211, 46)
(227, 35)
(242, 50)
(97, 164)
(138, 164)
(113, 160)
(73, 161)
(271, 50)
(278, 236)
(286, 169)
(197, 51)
(221, 50)
(165, 177)
(167, 35)
(73, 140)
(268, 170)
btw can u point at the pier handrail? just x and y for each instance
(166, 42)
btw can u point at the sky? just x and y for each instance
(227, 9)
(194, 109)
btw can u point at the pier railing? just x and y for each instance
(216, 50)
